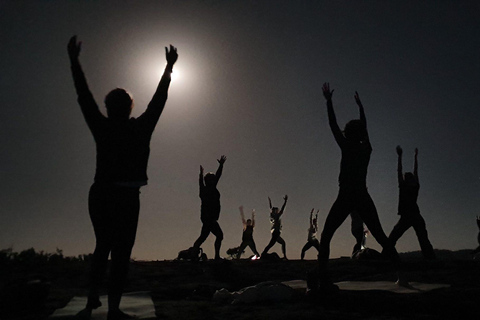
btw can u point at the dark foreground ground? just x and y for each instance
(183, 290)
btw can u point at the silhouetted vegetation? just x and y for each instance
(30, 257)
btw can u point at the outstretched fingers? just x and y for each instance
(326, 91)
(74, 47)
(171, 55)
(222, 159)
(399, 150)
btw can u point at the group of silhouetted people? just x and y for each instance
(122, 144)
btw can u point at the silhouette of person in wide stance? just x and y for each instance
(408, 210)
(353, 195)
(210, 209)
(276, 229)
(122, 145)
(312, 240)
(247, 235)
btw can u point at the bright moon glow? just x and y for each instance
(175, 75)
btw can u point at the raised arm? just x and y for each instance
(270, 203)
(221, 161)
(157, 104)
(200, 179)
(399, 165)
(85, 98)
(242, 215)
(332, 119)
(362, 112)
(311, 217)
(284, 204)
(415, 164)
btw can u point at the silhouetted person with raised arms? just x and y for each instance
(210, 209)
(276, 229)
(247, 235)
(353, 195)
(408, 210)
(122, 156)
(312, 240)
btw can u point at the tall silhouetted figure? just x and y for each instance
(408, 210)
(247, 235)
(353, 195)
(312, 240)
(122, 155)
(210, 209)
(276, 229)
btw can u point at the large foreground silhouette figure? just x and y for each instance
(276, 229)
(210, 209)
(408, 210)
(247, 235)
(353, 194)
(122, 155)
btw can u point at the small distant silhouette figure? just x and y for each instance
(122, 156)
(408, 210)
(312, 240)
(276, 229)
(247, 235)
(210, 209)
(353, 194)
(478, 237)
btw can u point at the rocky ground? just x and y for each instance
(184, 290)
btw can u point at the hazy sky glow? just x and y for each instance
(249, 87)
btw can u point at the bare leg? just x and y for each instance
(284, 246)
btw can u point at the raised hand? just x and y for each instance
(74, 48)
(399, 151)
(222, 159)
(478, 222)
(416, 152)
(201, 170)
(171, 55)
(357, 99)
(285, 198)
(313, 209)
(326, 91)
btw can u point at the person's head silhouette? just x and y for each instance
(119, 104)
(409, 178)
(210, 179)
(355, 131)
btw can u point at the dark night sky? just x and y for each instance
(249, 86)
